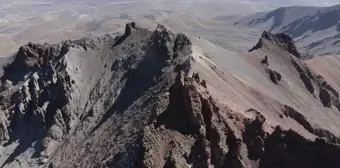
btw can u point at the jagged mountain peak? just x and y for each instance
(276, 37)
(52, 89)
(129, 27)
(38, 56)
(161, 27)
(280, 39)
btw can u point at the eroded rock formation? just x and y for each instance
(281, 39)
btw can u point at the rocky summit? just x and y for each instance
(154, 98)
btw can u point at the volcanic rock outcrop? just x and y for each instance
(152, 99)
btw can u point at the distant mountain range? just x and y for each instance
(316, 30)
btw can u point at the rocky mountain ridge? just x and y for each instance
(148, 99)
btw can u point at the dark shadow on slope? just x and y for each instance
(313, 23)
(288, 149)
(26, 129)
(22, 147)
(175, 116)
(198, 157)
(32, 125)
(277, 16)
(26, 138)
(139, 80)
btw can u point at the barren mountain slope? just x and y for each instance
(315, 29)
(304, 88)
(279, 18)
(158, 99)
(328, 67)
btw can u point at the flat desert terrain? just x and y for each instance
(52, 21)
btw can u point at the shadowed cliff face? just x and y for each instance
(133, 100)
